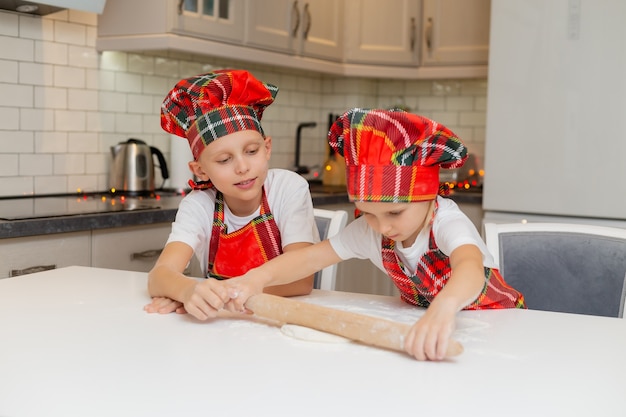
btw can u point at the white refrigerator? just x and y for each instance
(556, 112)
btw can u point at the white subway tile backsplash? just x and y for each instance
(112, 101)
(8, 164)
(82, 57)
(70, 33)
(35, 28)
(474, 119)
(17, 49)
(16, 95)
(34, 164)
(36, 119)
(50, 98)
(50, 142)
(155, 84)
(63, 104)
(66, 164)
(100, 80)
(36, 74)
(51, 53)
(10, 186)
(8, 71)
(70, 120)
(82, 142)
(69, 77)
(142, 64)
(128, 123)
(82, 99)
(9, 24)
(128, 83)
(51, 184)
(16, 141)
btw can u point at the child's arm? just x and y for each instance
(202, 299)
(286, 268)
(300, 287)
(429, 336)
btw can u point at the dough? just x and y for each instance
(311, 335)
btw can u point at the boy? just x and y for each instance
(427, 246)
(241, 213)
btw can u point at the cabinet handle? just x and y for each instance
(146, 255)
(307, 15)
(413, 31)
(295, 16)
(180, 6)
(429, 35)
(31, 270)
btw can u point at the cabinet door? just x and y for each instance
(23, 255)
(214, 19)
(455, 32)
(378, 33)
(274, 24)
(321, 29)
(130, 248)
(309, 28)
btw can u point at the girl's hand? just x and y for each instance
(164, 305)
(240, 289)
(204, 299)
(429, 337)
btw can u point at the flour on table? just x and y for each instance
(311, 335)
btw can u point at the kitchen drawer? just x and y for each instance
(133, 248)
(23, 255)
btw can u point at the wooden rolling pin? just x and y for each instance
(372, 331)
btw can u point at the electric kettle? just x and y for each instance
(132, 167)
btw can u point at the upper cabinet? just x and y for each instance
(138, 20)
(386, 35)
(310, 28)
(368, 38)
(215, 19)
(455, 32)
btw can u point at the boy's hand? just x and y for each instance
(164, 305)
(429, 337)
(204, 299)
(240, 289)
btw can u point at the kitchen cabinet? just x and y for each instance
(382, 35)
(24, 255)
(310, 28)
(222, 20)
(133, 248)
(455, 32)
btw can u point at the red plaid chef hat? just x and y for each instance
(394, 156)
(206, 107)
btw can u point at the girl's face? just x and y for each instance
(237, 166)
(401, 222)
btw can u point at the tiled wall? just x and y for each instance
(63, 105)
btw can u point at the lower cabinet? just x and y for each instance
(25, 255)
(133, 248)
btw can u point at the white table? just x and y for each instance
(76, 342)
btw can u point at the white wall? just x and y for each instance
(63, 105)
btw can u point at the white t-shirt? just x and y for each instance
(287, 195)
(452, 228)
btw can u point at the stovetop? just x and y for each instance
(56, 205)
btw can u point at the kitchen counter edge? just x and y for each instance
(95, 221)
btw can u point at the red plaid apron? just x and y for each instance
(234, 254)
(432, 273)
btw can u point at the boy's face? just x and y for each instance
(237, 166)
(401, 222)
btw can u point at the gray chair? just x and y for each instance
(570, 268)
(329, 223)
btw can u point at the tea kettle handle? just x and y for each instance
(164, 172)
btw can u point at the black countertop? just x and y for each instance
(165, 212)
